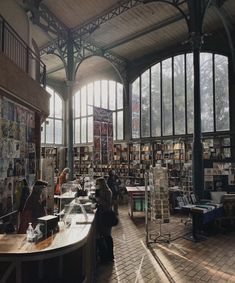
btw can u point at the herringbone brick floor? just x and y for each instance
(183, 261)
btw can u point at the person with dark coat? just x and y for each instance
(24, 194)
(103, 196)
(114, 183)
(35, 206)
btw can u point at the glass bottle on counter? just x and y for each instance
(30, 233)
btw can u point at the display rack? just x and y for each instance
(157, 203)
(186, 179)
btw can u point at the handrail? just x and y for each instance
(17, 50)
(9, 214)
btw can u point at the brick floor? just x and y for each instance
(183, 261)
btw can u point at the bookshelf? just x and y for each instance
(51, 153)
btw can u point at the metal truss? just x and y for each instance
(85, 49)
(174, 3)
(89, 28)
(50, 22)
(82, 49)
(52, 46)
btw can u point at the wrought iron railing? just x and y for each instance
(14, 47)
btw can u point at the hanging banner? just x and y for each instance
(103, 136)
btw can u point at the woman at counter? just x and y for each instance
(35, 206)
(64, 176)
(103, 196)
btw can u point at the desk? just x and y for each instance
(136, 199)
(74, 244)
(201, 216)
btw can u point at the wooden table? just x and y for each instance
(136, 197)
(15, 251)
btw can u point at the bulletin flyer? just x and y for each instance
(17, 151)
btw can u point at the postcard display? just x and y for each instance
(159, 194)
(17, 152)
(103, 136)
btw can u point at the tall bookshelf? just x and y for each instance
(121, 161)
(51, 153)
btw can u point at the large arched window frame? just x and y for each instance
(162, 97)
(106, 94)
(52, 128)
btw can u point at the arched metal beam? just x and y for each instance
(175, 3)
(219, 11)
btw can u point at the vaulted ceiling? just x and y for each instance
(126, 31)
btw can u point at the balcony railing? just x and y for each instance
(19, 52)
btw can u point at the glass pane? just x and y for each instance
(83, 101)
(52, 106)
(90, 92)
(112, 95)
(206, 86)
(77, 132)
(179, 95)
(58, 106)
(119, 96)
(190, 87)
(114, 125)
(156, 100)
(136, 108)
(83, 130)
(221, 93)
(97, 93)
(58, 132)
(90, 129)
(49, 131)
(120, 125)
(167, 97)
(43, 133)
(145, 102)
(77, 111)
(104, 94)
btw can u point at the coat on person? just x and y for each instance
(35, 207)
(103, 196)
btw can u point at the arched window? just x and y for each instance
(52, 128)
(162, 97)
(105, 94)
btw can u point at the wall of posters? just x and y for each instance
(17, 151)
(103, 136)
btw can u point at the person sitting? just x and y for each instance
(113, 183)
(35, 206)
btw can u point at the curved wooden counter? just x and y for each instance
(15, 249)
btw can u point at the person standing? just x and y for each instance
(35, 206)
(103, 196)
(63, 178)
(114, 183)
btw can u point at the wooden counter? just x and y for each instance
(15, 250)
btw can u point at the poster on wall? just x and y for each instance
(103, 135)
(17, 151)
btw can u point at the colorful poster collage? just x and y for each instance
(103, 136)
(17, 151)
